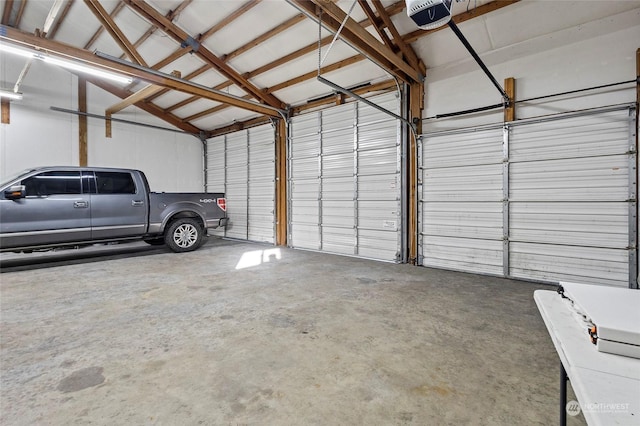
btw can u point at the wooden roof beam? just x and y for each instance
(112, 28)
(149, 13)
(405, 48)
(23, 5)
(148, 107)
(51, 33)
(372, 18)
(87, 58)
(134, 98)
(392, 10)
(6, 13)
(333, 17)
(113, 14)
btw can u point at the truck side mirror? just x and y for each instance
(15, 192)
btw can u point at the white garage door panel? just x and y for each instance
(337, 165)
(464, 254)
(354, 150)
(469, 149)
(461, 216)
(574, 224)
(216, 181)
(305, 147)
(243, 163)
(339, 118)
(383, 187)
(468, 183)
(378, 162)
(378, 244)
(338, 213)
(338, 142)
(463, 220)
(340, 188)
(588, 136)
(580, 264)
(378, 215)
(570, 184)
(339, 240)
(581, 179)
(306, 236)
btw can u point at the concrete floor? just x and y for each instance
(240, 333)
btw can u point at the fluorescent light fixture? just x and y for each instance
(9, 94)
(64, 63)
(16, 51)
(89, 70)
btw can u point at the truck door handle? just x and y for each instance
(80, 204)
(137, 203)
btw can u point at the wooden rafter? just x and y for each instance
(405, 48)
(152, 15)
(334, 17)
(349, 61)
(264, 37)
(392, 10)
(113, 14)
(148, 107)
(23, 5)
(178, 53)
(66, 51)
(115, 31)
(171, 15)
(56, 26)
(6, 13)
(364, 5)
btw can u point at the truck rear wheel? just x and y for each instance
(184, 234)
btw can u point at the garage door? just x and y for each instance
(572, 199)
(462, 201)
(242, 164)
(551, 199)
(344, 180)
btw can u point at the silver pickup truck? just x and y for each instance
(53, 207)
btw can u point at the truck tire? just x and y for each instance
(184, 234)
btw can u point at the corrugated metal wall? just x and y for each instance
(550, 199)
(344, 180)
(242, 164)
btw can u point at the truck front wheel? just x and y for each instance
(184, 234)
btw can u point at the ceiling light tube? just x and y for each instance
(68, 64)
(16, 51)
(89, 70)
(11, 95)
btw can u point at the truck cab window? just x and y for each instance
(115, 183)
(52, 183)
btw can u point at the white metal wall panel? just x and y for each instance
(242, 164)
(338, 180)
(569, 192)
(461, 217)
(262, 178)
(378, 180)
(344, 180)
(304, 182)
(237, 188)
(216, 180)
